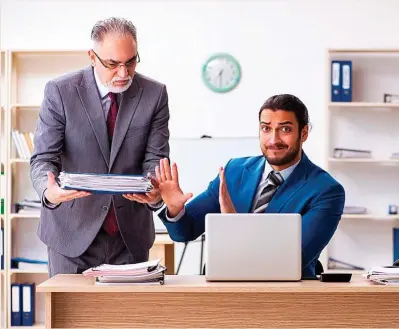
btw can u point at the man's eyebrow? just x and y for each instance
(280, 123)
(129, 60)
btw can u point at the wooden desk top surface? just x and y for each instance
(197, 283)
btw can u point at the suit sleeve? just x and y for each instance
(320, 222)
(158, 139)
(48, 139)
(192, 224)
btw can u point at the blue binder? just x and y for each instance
(2, 249)
(16, 304)
(28, 304)
(336, 80)
(395, 244)
(346, 81)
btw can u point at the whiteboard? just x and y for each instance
(199, 159)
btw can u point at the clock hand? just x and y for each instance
(220, 78)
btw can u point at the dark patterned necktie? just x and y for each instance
(110, 224)
(274, 181)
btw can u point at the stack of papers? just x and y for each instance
(105, 183)
(144, 273)
(388, 275)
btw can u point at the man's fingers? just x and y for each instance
(168, 172)
(158, 173)
(222, 186)
(154, 182)
(187, 196)
(162, 167)
(175, 173)
(74, 195)
(51, 178)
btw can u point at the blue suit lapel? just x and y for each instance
(248, 185)
(287, 190)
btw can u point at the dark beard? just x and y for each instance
(287, 158)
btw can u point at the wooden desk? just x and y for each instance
(164, 248)
(74, 301)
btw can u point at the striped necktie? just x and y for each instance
(274, 181)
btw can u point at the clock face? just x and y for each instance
(221, 73)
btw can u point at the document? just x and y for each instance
(105, 183)
(145, 272)
(351, 153)
(387, 275)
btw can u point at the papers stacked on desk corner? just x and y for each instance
(388, 275)
(144, 273)
(105, 183)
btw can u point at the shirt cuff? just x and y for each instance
(47, 203)
(175, 219)
(156, 206)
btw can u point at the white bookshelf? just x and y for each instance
(366, 123)
(27, 72)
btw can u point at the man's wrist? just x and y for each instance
(47, 203)
(173, 211)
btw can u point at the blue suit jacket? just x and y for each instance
(309, 191)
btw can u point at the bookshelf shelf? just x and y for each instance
(24, 215)
(18, 271)
(371, 217)
(25, 106)
(365, 160)
(39, 325)
(17, 160)
(362, 105)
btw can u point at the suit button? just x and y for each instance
(105, 208)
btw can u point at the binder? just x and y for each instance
(346, 81)
(395, 244)
(2, 248)
(28, 304)
(336, 80)
(16, 299)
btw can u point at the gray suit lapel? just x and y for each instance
(127, 108)
(90, 97)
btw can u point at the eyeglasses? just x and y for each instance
(112, 65)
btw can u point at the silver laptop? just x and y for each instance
(253, 247)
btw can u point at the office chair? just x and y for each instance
(201, 270)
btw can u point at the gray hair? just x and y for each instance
(113, 25)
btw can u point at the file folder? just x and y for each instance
(395, 244)
(2, 249)
(16, 299)
(28, 304)
(346, 81)
(336, 81)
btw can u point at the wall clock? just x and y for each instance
(221, 73)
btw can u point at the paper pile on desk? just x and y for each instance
(105, 183)
(388, 275)
(146, 272)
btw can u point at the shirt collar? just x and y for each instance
(284, 173)
(101, 88)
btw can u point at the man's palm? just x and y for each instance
(171, 193)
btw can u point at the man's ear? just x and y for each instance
(304, 133)
(92, 58)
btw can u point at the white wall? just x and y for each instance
(281, 46)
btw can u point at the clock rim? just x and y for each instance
(236, 80)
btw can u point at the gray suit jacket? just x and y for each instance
(72, 136)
